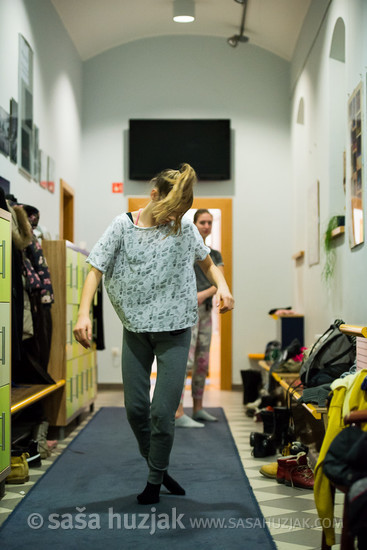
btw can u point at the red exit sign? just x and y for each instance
(117, 187)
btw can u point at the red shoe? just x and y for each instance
(288, 463)
(302, 476)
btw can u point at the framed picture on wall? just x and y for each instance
(25, 115)
(43, 160)
(355, 122)
(313, 223)
(13, 130)
(36, 156)
(50, 175)
(4, 132)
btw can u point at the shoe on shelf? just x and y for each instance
(19, 469)
(185, 421)
(204, 415)
(269, 470)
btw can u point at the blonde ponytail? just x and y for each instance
(176, 195)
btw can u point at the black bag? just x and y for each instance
(332, 354)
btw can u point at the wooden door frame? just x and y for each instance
(66, 211)
(225, 206)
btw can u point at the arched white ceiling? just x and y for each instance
(96, 26)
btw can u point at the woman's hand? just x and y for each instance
(83, 328)
(214, 274)
(224, 300)
(83, 331)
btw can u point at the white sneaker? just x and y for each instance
(185, 421)
(204, 415)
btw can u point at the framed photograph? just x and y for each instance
(13, 131)
(50, 175)
(4, 132)
(43, 160)
(5, 185)
(313, 224)
(35, 156)
(355, 118)
(25, 115)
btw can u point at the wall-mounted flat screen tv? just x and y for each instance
(157, 144)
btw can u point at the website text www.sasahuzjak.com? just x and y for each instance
(154, 521)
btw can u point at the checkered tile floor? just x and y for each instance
(290, 512)
(15, 493)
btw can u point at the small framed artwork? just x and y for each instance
(13, 131)
(356, 145)
(36, 156)
(4, 132)
(313, 223)
(50, 175)
(25, 114)
(43, 169)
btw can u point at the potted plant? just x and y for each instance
(330, 253)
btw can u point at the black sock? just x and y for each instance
(172, 485)
(150, 495)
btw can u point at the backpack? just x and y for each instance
(331, 355)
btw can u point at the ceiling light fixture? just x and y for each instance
(183, 11)
(236, 38)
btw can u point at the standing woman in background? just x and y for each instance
(147, 258)
(201, 333)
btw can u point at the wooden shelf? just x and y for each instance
(338, 231)
(298, 255)
(285, 379)
(27, 394)
(354, 330)
(256, 356)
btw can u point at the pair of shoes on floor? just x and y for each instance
(292, 470)
(185, 421)
(202, 414)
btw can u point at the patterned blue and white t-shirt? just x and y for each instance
(150, 279)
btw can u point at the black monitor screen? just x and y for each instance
(155, 145)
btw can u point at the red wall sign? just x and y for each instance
(117, 187)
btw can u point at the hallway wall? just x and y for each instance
(197, 77)
(57, 98)
(325, 85)
(82, 111)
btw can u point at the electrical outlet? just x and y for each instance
(115, 352)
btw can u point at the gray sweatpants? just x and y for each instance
(154, 423)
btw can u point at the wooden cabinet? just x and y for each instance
(5, 341)
(68, 359)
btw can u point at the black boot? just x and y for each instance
(263, 445)
(252, 384)
(267, 416)
(281, 427)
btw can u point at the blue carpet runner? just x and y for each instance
(87, 498)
